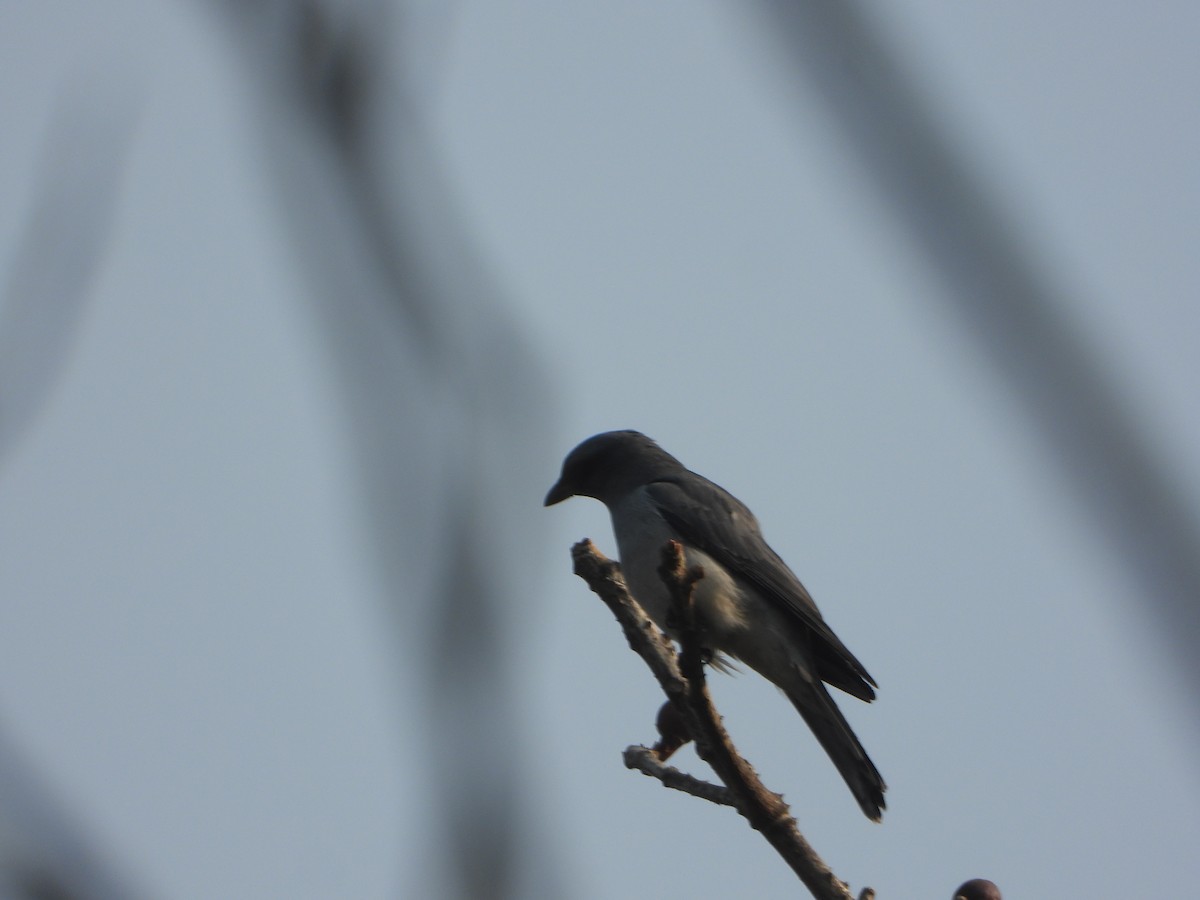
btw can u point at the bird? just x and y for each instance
(749, 605)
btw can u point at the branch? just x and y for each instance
(682, 680)
(648, 762)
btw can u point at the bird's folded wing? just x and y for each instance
(711, 519)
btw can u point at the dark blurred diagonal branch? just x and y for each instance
(43, 853)
(70, 223)
(443, 398)
(1006, 295)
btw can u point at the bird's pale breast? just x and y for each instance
(641, 533)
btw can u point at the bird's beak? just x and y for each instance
(558, 493)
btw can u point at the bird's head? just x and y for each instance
(606, 465)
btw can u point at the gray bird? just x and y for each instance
(749, 603)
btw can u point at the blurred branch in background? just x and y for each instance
(1007, 296)
(443, 400)
(70, 222)
(44, 852)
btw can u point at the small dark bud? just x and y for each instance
(978, 889)
(672, 730)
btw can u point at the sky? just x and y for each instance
(194, 653)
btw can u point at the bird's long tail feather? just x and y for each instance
(835, 735)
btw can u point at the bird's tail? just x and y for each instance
(833, 731)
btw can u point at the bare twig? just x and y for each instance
(604, 577)
(646, 761)
(682, 680)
